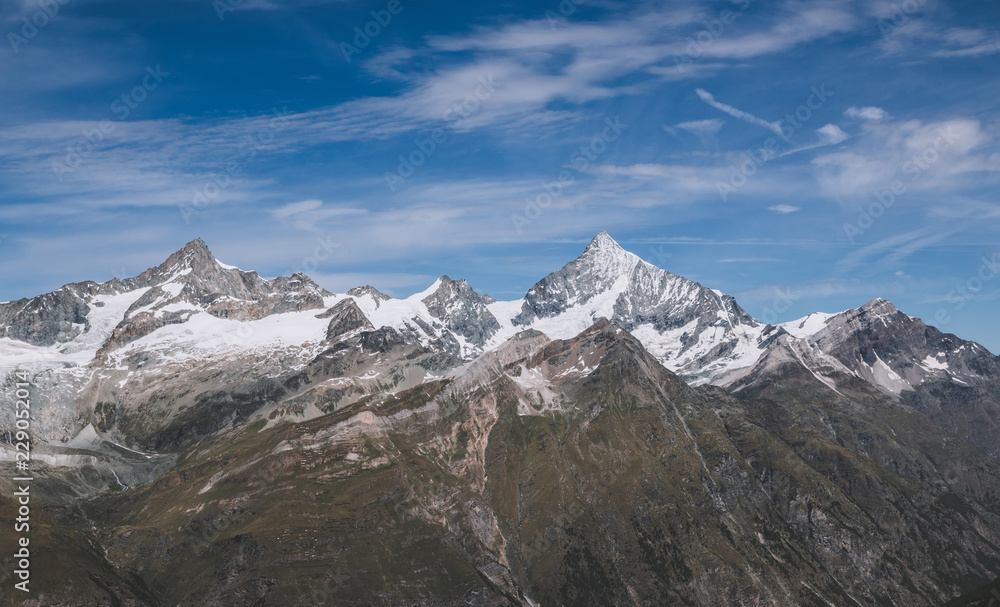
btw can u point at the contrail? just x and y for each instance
(737, 113)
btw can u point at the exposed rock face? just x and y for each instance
(382, 340)
(193, 280)
(897, 352)
(370, 291)
(956, 382)
(52, 318)
(462, 311)
(345, 317)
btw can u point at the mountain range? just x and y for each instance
(619, 436)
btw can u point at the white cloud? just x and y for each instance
(702, 127)
(866, 113)
(931, 156)
(784, 208)
(831, 134)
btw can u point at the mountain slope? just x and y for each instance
(954, 381)
(574, 471)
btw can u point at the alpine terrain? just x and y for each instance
(202, 436)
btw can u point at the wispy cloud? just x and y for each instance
(296, 208)
(784, 209)
(889, 252)
(752, 260)
(702, 127)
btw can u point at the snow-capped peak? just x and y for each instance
(607, 258)
(603, 240)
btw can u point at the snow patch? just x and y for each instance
(932, 363)
(807, 326)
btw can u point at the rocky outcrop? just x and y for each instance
(954, 381)
(370, 291)
(345, 318)
(462, 311)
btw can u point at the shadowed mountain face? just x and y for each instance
(309, 448)
(955, 382)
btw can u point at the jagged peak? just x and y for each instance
(370, 291)
(195, 255)
(196, 246)
(879, 304)
(877, 308)
(448, 284)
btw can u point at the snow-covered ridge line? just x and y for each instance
(606, 281)
(194, 306)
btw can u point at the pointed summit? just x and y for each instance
(604, 241)
(193, 258)
(879, 306)
(606, 259)
(201, 278)
(196, 246)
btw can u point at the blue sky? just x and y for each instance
(801, 156)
